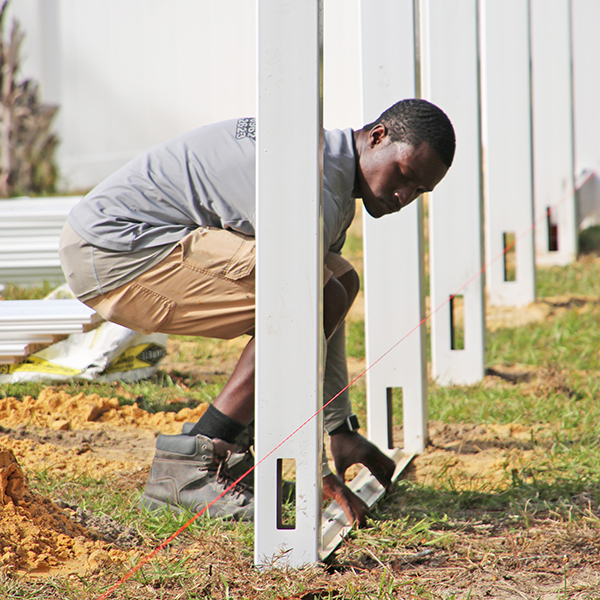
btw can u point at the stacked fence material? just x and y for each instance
(27, 326)
(30, 231)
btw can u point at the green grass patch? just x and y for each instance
(355, 339)
(520, 403)
(571, 338)
(580, 277)
(34, 292)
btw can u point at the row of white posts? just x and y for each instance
(502, 70)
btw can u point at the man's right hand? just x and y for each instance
(355, 509)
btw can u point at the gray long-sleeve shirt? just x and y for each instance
(205, 177)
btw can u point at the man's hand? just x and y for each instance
(355, 508)
(350, 448)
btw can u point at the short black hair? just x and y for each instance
(414, 121)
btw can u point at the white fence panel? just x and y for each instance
(393, 245)
(28, 325)
(506, 133)
(588, 199)
(289, 277)
(30, 231)
(451, 81)
(553, 180)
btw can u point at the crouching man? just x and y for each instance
(166, 244)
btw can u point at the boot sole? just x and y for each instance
(152, 505)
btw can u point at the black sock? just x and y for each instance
(214, 424)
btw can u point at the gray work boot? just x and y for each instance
(191, 471)
(241, 460)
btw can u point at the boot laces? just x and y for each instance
(225, 477)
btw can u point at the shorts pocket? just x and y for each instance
(220, 253)
(136, 307)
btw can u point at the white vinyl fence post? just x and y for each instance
(553, 180)
(393, 245)
(506, 133)
(586, 97)
(451, 81)
(289, 278)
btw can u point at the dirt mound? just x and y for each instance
(62, 412)
(36, 534)
(12, 479)
(63, 435)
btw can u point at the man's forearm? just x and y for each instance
(336, 379)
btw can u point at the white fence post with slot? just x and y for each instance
(393, 245)
(289, 277)
(451, 81)
(506, 133)
(556, 232)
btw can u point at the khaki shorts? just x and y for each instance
(204, 287)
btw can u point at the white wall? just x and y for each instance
(129, 74)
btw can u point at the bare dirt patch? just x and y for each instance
(477, 456)
(91, 435)
(59, 411)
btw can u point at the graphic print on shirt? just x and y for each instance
(245, 128)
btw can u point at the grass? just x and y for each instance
(581, 277)
(570, 339)
(446, 537)
(34, 292)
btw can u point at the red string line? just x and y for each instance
(163, 544)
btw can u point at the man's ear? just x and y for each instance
(377, 134)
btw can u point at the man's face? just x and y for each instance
(392, 174)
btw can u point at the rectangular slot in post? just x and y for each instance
(286, 493)
(510, 256)
(457, 322)
(552, 232)
(394, 413)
